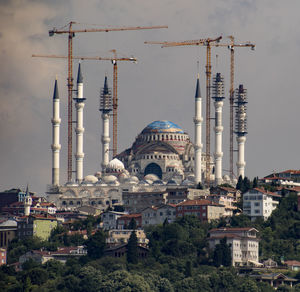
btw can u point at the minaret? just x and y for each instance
(55, 137)
(27, 203)
(198, 130)
(105, 108)
(218, 96)
(241, 128)
(79, 105)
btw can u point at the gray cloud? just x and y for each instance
(160, 86)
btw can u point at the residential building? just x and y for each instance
(123, 221)
(259, 203)
(109, 219)
(61, 255)
(121, 250)
(243, 243)
(10, 196)
(157, 215)
(3, 256)
(36, 225)
(290, 174)
(275, 279)
(293, 265)
(228, 201)
(176, 195)
(135, 202)
(225, 191)
(205, 210)
(119, 237)
(8, 231)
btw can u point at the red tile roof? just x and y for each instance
(292, 263)
(267, 192)
(130, 216)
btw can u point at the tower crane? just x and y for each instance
(208, 42)
(114, 61)
(71, 34)
(231, 47)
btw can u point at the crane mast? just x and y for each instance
(71, 34)
(208, 42)
(115, 84)
(231, 46)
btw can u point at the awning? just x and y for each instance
(255, 263)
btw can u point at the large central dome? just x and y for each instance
(162, 127)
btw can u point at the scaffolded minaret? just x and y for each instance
(105, 108)
(55, 137)
(218, 96)
(241, 127)
(79, 105)
(198, 130)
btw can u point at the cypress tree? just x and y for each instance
(132, 249)
(132, 224)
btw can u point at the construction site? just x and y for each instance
(156, 152)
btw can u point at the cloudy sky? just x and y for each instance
(160, 86)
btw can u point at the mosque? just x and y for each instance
(162, 156)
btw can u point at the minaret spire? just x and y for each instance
(27, 202)
(105, 108)
(55, 136)
(198, 131)
(79, 105)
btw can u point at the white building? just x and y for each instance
(157, 215)
(109, 219)
(118, 237)
(259, 203)
(243, 243)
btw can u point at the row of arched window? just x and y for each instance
(78, 203)
(159, 156)
(164, 137)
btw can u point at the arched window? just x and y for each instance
(153, 168)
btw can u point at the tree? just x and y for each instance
(246, 184)
(222, 254)
(132, 224)
(255, 182)
(132, 249)
(188, 269)
(199, 186)
(96, 244)
(239, 184)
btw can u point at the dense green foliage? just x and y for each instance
(178, 259)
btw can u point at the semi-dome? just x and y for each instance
(109, 178)
(90, 179)
(162, 127)
(115, 165)
(151, 176)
